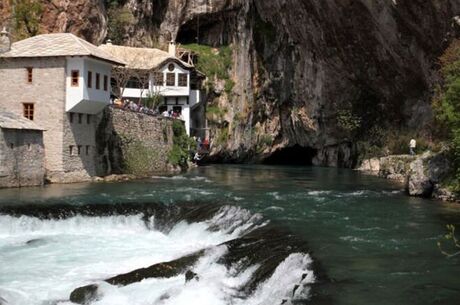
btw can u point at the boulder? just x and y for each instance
(418, 183)
(85, 295)
(370, 165)
(190, 275)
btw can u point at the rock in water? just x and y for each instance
(190, 275)
(418, 183)
(85, 295)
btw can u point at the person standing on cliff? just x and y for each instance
(412, 145)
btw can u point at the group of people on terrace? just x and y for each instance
(138, 107)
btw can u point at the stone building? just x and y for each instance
(154, 72)
(21, 151)
(62, 83)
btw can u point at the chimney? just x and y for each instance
(109, 42)
(5, 42)
(172, 48)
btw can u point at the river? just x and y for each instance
(372, 244)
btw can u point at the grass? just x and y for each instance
(212, 61)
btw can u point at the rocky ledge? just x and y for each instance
(422, 174)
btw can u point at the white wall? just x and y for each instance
(172, 90)
(82, 99)
(74, 95)
(181, 102)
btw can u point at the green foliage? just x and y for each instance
(446, 104)
(27, 16)
(180, 152)
(138, 158)
(452, 240)
(118, 19)
(212, 61)
(229, 84)
(223, 136)
(263, 142)
(153, 100)
(347, 120)
(215, 113)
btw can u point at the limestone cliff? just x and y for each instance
(298, 65)
(84, 18)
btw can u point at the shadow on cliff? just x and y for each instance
(110, 159)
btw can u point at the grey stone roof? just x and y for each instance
(141, 58)
(59, 44)
(10, 120)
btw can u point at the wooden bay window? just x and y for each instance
(170, 79)
(75, 77)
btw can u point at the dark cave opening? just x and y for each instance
(293, 155)
(210, 29)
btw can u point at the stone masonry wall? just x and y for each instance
(133, 143)
(47, 92)
(79, 148)
(21, 158)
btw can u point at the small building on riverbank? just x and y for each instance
(156, 74)
(22, 153)
(62, 83)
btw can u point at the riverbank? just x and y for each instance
(422, 175)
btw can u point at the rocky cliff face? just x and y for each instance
(84, 18)
(298, 65)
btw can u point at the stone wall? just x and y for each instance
(133, 143)
(46, 92)
(21, 158)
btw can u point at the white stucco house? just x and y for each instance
(175, 81)
(60, 82)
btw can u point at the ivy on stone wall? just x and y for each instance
(139, 159)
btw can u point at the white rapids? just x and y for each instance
(42, 261)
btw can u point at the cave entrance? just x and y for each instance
(293, 155)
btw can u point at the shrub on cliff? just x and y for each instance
(119, 18)
(181, 145)
(26, 18)
(446, 104)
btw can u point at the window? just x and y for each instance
(158, 79)
(79, 149)
(171, 67)
(90, 79)
(75, 76)
(71, 117)
(71, 150)
(170, 79)
(11, 145)
(98, 81)
(29, 75)
(88, 119)
(80, 118)
(87, 150)
(106, 83)
(28, 110)
(183, 80)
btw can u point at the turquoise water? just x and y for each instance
(376, 245)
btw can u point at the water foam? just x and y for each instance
(47, 259)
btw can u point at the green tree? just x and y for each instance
(26, 17)
(447, 103)
(119, 19)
